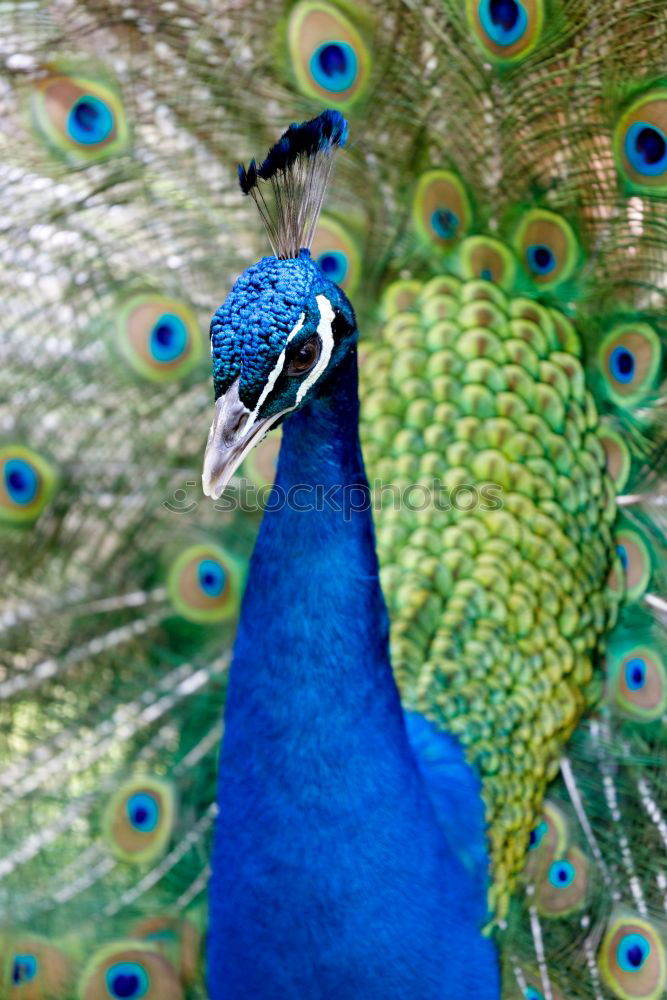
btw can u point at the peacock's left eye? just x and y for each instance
(305, 357)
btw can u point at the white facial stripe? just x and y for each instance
(296, 329)
(275, 372)
(325, 332)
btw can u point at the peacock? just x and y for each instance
(423, 583)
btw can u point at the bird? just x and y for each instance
(443, 680)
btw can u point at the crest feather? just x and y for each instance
(298, 167)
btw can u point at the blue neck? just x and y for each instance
(311, 655)
(331, 873)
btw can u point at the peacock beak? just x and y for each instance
(234, 432)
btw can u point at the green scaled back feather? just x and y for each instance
(499, 222)
(496, 579)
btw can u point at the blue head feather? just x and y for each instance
(251, 328)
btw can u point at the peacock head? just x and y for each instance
(285, 326)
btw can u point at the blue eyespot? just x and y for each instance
(127, 981)
(334, 265)
(562, 874)
(537, 835)
(21, 481)
(24, 969)
(622, 364)
(90, 121)
(445, 223)
(635, 673)
(530, 993)
(143, 812)
(211, 577)
(632, 952)
(623, 556)
(486, 274)
(646, 149)
(541, 259)
(334, 66)
(504, 21)
(169, 338)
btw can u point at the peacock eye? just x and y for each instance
(305, 357)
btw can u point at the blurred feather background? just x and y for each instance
(122, 228)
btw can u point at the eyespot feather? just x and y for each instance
(631, 958)
(27, 483)
(78, 114)
(139, 819)
(329, 57)
(204, 584)
(129, 970)
(640, 143)
(507, 30)
(157, 336)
